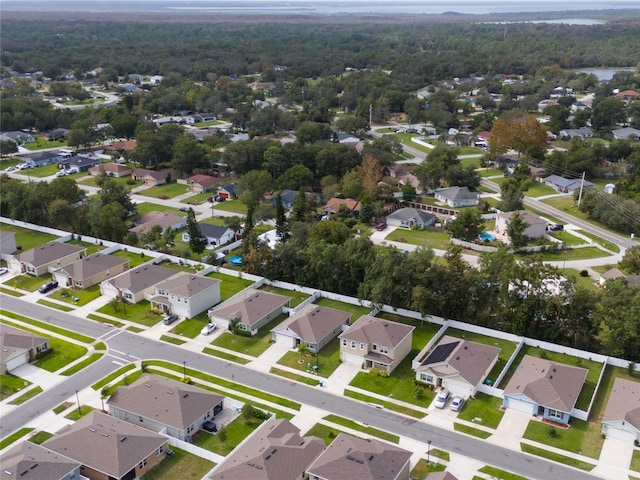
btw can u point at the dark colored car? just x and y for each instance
(209, 426)
(556, 227)
(47, 287)
(381, 226)
(169, 319)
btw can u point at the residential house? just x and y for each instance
(162, 219)
(79, 163)
(7, 243)
(544, 388)
(123, 146)
(89, 271)
(133, 285)
(537, 227)
(582, 132)
(376, 343)
(56, 134)
(186, 294)
(628, 95)
(17, 137)
(363, 459)
(228, 191)
(212, 234)
(347, 139)
(411, 218)
(39, 260)
(201, 183)
(334, 204)
(29, 461)
(404, 176)
(40, 159)
(621, 417)
(252, 309)
(201, 117)
(275, 451)
(153, 177)
(457, 365)
(165, 405)
(457, 197)
(566, 185)
(18, 347)
(109, 448)
(626, 133)
(312, 324)
(631, 280)
(112, 169)
(440, 476)
(287, 197)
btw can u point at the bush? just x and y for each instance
(584, 273)
(131, 181)
(552, 432)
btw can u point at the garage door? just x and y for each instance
(17, 361)
(620, 434)
(353, 359)
(459, 388)
(520, 406)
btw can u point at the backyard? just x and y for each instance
(356, 311)
(236, 431)
(230, 285)
(423, 238)
(296, 297)
(26, 238)
(135, 259)
(179, 466)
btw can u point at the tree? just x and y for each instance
(467, 225)
(352, 185)
(188, 154)
(515, 230)
(511, 196)
(631, 260)
(520, 131)
(371, 173)
(7, 147)
(409, 193)
(253, 185)
(295, 178)
(282, 227)
(196, 242)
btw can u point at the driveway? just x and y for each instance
(511, 428)
(615, 458)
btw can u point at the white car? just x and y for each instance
(3, 271)
(457, 403)
(441, 399)
(208, 328)
(61, 173)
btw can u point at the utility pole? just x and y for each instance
(370, 111)
(581, 188)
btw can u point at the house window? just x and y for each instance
(374, 347)
(141, 419)
(424, 377)
(143, 463)
(78, 283)
(353, 344)
(344, 342)
(128, 296)
(384, 349)
(158, 450)
(362, 346)
(555, 414)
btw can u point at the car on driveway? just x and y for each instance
(47, 287)
(169, 319)
(208, 328)
(457, 403)
(3, 271)
(441, 398)
(61, 173)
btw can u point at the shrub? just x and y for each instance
(552, 432)
(131, 181)
(584, 273)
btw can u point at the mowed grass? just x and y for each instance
(422, 238)
(556, 457)
(10, 385)
(483, 407)
(356, 311)
(476, 432)
(5, 442)
(254, 346)
(233, 206)
(62, 355)
(296, 297)
(181, 465)
(567, 204)
(569, 254)
(126, 182)
(328, 359)
(537, 189)
(168, 190)
(574, 439)
(237, 431)
(325, 432)
(230, 285)
(27, 238)
(394, 407)
(138, 313)
(28, 395)
(27, 282)
(69, 296)
(135, 259)
(359, 427)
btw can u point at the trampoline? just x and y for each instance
(236, 260)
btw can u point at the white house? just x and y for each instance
(186, 294)
(213, 234)
(457, 197)
(621, 418)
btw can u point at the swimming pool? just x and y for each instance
(487, 236)
(236, 260)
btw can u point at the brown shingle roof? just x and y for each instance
(369, 329)
(163, 219)
(185, 284)
(204, 180)
(28, 461)
(312, 323)
(47, 253)
(469, 359)
(356, 458)
(250, 306)
(334, 204)
(13, 340)
(552, 385)
(164, 400)
(624, 403)
(141, 278)
(92, 265)
(105, 443)
(274, 452)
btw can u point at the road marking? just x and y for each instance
(125, 354)
(117, 363)
(109, 335)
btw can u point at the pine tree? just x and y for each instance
(195, 235)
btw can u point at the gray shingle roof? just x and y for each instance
(312, 323)
(412, 214)
(552, 385)
(250, 306)
(369, 329)
(105, 443)
(624, 403)
(47, 253)
(164, 400)
(353, 457)
(457, 193)
(527, 216)
(141, 278)
(92, 265)
(185, 284)
(28, 461)
(274, 452)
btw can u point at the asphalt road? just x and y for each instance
(123, 341)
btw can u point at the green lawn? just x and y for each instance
(55, 305)
(181, 465)
(138, 313)
(394, 407)
(485, 408)
(83, 296)
(324, 432)
(10, 291)
(135, 259)
(572, 439)
(568, 204)
(41, 144)
(506, 348)
(489, 172)
(47, 326)
(26, 396)
(603, 243)
(470, 162)
(40, 437)
(197, 199)
(296, 297)
(476, 432)
(175, 341)
(230, 285)
(112, 376)
(423, 238)
(168, 190)
(369, 431)
(293, 376)
(569, 254)
(237, 431)
(233, 206)
(44, 171)
(225, 355)
(5, 442)
(356, 310)
(328, 359)
(555, 457)
(635, 460)
(145, 207)
(593, 370)
(27, 238)
(420, 470)
(9, 162)
(63, 353)
(27, 282)
(500, 474)
(127, 182)
(537, 189)
(568, 239)
(90, 247)
(83, 364)
(588, 282)
(10, 384)
(254, 346)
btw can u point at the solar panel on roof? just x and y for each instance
(440, 353)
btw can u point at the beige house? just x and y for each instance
(186, 294)
(89, 271)
(457, 197)
(112, 169)
(109, 448)
(334, 204)
(134, 284)
(153, 177)
(7, 243)
(29, 461)
(252, 309)
(201, 183)
(163, 219)
(457, 365)
(537, 226)
(621, 417)
(376, 343)
(40, 260)
(18, 347)
(356, 458)
(312, 324)
(165, 405)
(275, 451)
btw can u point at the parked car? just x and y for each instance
(61, 173)
(220, 199)
(3, 271)
(556, 227)
(208, 328)
(457, 403)
(10, 169)
(169, 319)
(209, 426)
(441, 398)
(47, 287)
(381, 226)
(184, 209)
